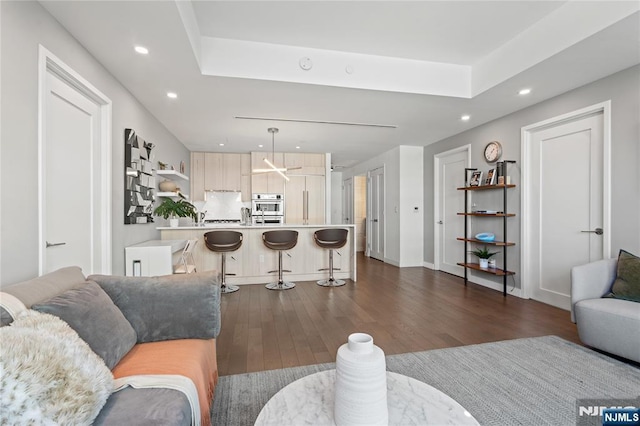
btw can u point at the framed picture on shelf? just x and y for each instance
(476, 178)
(491, 177)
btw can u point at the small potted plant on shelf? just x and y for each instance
(483, 256)
(173, 210)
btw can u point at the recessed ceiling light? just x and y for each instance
(524, 92)
(172, 95)
(465, 117)
(141, 50)
(221, 144)
(297, 147)
(260, 146)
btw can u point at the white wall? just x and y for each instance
(411, 205)
(24, 25)
(403, 170)
(622, 89)
(336, 197)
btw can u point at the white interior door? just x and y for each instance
(450, 226)
(74, 151)
(566, 205)
(375, 238)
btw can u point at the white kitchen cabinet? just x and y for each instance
(304, 200)
(152, 258)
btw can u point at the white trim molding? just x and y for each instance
(50, 63)
(436, 197)
(526, 137)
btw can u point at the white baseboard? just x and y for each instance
(429, 265)
(391, 262)
(496, 286)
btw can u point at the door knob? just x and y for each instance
(597, 231)
(440, 222)
(375, 220)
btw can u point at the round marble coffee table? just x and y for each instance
(310, 401)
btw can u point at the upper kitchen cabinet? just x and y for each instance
(215, 171)
(197, 176)
(270, 182)
(310, 164)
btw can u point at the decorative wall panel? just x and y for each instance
(140, 183)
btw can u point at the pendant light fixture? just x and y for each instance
(272, 167)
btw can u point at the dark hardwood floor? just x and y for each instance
(405, 310)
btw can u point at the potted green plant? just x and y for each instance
(173, 210)
(483, 255)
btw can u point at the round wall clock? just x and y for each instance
(493, 151)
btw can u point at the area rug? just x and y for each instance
(532, 381)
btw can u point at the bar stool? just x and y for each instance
(224, 242)
(280, 241)
(331, 238)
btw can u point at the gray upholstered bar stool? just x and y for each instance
(224, 242)
(280, 241)
(331, 238)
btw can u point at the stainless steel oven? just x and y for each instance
(267, 220)
(267, 205)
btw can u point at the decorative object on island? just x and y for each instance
(361, 383)
(173, 210)
(481, 214)
(483, 255)
(139, 194)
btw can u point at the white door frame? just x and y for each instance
(436, 198)
(527, 183)
(49, 63)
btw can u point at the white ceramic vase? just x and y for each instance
(174, 222)
(484, 263)
(361, 383)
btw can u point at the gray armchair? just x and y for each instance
(608, 324)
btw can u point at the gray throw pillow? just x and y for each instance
(627, 283)
(93, 315)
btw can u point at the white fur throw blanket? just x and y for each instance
(48, 375)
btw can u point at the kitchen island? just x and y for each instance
(252, 262)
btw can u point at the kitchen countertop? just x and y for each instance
(238, 226)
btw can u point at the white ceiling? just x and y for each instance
(551, 47)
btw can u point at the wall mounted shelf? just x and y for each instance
(180, 179)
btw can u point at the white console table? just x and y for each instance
(153, 257)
